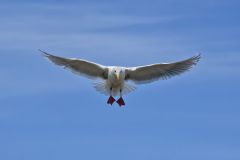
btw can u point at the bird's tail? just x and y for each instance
(102, 87)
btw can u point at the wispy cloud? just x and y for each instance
(87, 29)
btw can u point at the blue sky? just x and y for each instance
(49, 113)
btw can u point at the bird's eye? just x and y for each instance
(115, 71)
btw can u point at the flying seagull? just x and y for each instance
(114, 79)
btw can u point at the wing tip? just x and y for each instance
(196, 58)
(44, 53)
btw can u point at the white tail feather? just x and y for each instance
(104, 88)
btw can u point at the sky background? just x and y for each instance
(49, 113)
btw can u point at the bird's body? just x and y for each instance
(114, 80)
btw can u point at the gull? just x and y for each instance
(114, 80)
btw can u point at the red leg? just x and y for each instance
(111, 100)
(121, 102)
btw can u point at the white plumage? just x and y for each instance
(113, 80)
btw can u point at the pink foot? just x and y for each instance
(111, 100)
(121, 102)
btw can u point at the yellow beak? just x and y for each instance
(118, 76)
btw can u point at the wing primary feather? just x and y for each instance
(149, 73)
(79, 66)
(45, 53)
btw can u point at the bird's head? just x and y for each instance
(117, 73)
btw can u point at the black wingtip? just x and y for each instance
(199, 55)
(44, 53)
(197, 58)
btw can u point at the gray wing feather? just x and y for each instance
(79, 66)
(150, 73)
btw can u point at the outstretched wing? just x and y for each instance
(150, 73)
(79, 66)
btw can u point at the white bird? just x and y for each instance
(114, 79)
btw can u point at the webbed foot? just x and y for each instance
(121, 102)
(111, 100)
